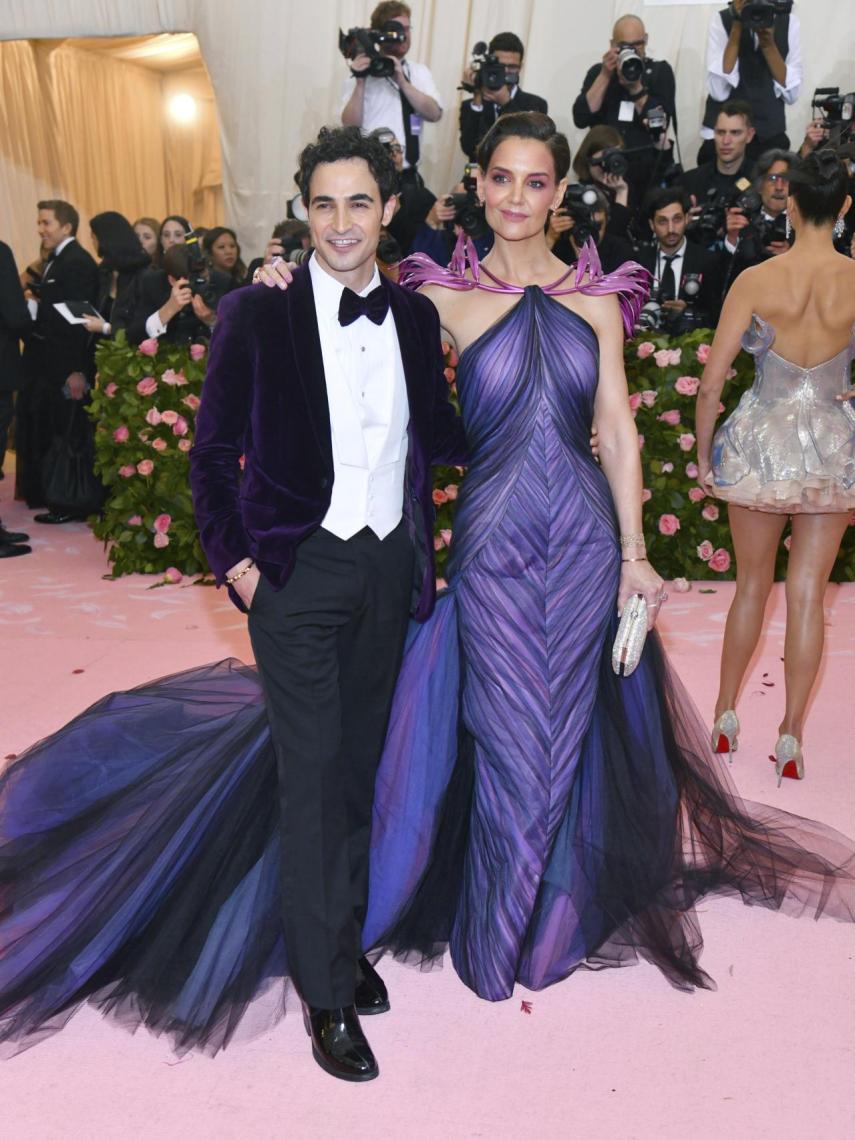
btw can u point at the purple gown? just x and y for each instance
(533, 811)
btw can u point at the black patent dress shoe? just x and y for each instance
(338, 1043)
(11, 536)
(53, 518)
(14, 550)
(371, 993)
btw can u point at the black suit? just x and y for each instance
(14, 323)
(55, 350)
(329, 617)
(613, 251)
(707, 265)
(475, 124)
(151, 292)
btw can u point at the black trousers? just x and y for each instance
(42, 413)
(7, 412)
(328, 648)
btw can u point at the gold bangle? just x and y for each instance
(634, 559)
(632, 540)
(236, 577)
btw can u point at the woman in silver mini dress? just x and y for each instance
(788, 450)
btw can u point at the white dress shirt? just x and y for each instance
(722, 84)
(33, 305)
(369, 413)
(382, 105)
(676, 265)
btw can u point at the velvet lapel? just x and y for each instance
(412, 352)
(306, 344)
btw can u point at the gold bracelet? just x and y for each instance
(632, 540)
(236, 577)
(634, 559)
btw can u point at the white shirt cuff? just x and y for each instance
(154, 326)
(33, 306)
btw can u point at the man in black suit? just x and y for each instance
(687, 279)
(479, 113)
(724, 177)
(14, 323)
(333, 392)
(60, 356)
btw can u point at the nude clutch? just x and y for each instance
(631, 634)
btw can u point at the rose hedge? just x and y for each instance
(144, 409)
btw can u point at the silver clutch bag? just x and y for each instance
(631, 634)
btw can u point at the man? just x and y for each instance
(60, 355)
(752, 242)
(609, 95)
(728, 173)
(673, 262)
(762, 68)
(613, 251)
(14, 323)
(479, 113)
(334, 392)
(402, 102)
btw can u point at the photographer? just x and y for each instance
(402, 100)
(598, 160)
(584, 216)
(713, 186)
(687, 279)
(179, 301)
(290, 237)
(495, 90)
(754, 54)
(758, 230)
(620, 90)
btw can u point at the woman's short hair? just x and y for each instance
(526, 125)
(336, 143)
(819, 184)
(597, 139)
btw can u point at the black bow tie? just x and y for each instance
(375, 306)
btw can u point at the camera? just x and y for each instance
(367, 41)
(758, 14)
(489, 72)
(582, 201)
(657, 120)
(654, 317)
(630, 65)
(198, 276)
(709, 225)
(834, 107)
(612, 160)
(468, 214)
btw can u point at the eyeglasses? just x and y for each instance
(782, 178)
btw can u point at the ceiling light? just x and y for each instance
(182, 108)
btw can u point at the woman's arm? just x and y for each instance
(736, 315)
(619, 458)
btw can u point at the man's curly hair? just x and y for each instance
(336, 143)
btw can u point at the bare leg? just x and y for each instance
(756, 535)
(816, 541)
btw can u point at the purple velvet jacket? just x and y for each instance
(265, 397)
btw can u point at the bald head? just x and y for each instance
(628, 30)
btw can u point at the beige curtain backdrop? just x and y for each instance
(277, 74)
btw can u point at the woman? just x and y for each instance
(122, 261)
(588, 167)
(539, 813)
(173, 231)
(147, 230)
(788, 451)
(221, 246)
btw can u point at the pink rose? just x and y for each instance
(710, 512)
(667, 468)
(640, 442)
(437, 542)
(197, 351)
(111, 389)
(161, 540)
(681, 586)
(172, 573)
(720, 408)
(696, 494)
(686, 441)
(180, 427)
(145, 466)
(668, 356)
(192, 402)
(121, 434)
(441, 583)
(445, 535)
(645, 349)
(144, 434)
(159, 444)
(173, 378)
(671, 417)
(788, 541)
(452, 357)
(152, 417)
(646, 495)
(135, 520)
(705, 550)
(439, 497)
(648, 397)
(149, 347)
(634, 402)
(687, 385)
(692, 470)
(169, 416)
(147, 386)
(451, 490)
(730, 374)
(703, 353)
(449, 375)
(127, 471)
(720, 561)
(184, 445)
(668, 524)
(162, 523)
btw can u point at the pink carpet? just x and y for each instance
(617, 1054)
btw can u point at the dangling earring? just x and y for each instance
(789, 229)
(839, 227)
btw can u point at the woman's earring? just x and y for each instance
(839, 227)
(789, 229)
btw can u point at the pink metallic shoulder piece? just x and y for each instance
(630, 281)
(419, 269)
